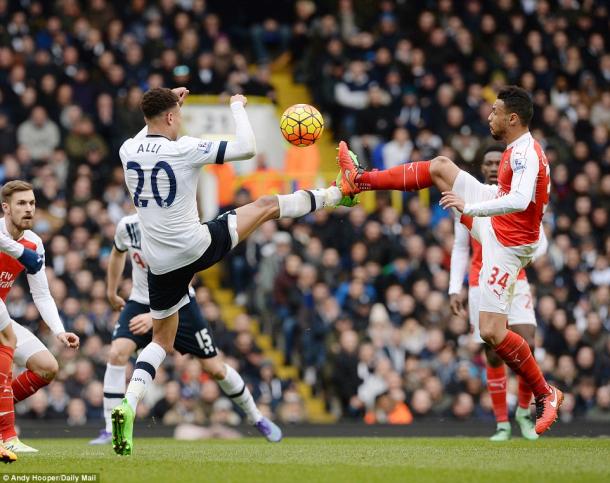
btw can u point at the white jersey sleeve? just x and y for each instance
(39, 288)
(459, 257)
(10, 246)
(199, 151)
(525, 171)
(128, 238)
(120, 236)
(543, 244)
(244, 146)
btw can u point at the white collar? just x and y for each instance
(525, 135)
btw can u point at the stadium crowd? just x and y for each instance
(358, 301)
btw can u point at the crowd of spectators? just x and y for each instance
(357, 301)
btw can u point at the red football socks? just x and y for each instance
(405, 177)
(26, 384)
(496, 386)
(7, 407)
(518, 356)
(525, 394)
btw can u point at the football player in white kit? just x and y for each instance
(505, 219)
(521, 316)
(161, 172)
(133, 329)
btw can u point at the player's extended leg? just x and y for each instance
(440, 172)
(523, 415)
(300, 203)
(496, 386)
(114, 383)
(149, 360)
(8, 341)
(235, 388)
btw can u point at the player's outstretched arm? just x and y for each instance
(116, 265)
(244, 145)
(39, 288)
(521, 193)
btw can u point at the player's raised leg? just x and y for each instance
(8, 341)
(440, 172)
(300, 203)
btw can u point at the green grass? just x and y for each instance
(314, 460)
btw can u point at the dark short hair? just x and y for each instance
(517, 100)
(158, 100)
(14, 187)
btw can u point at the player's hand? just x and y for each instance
(116, 302)
(140, 324)
(181, 92)
(69, 339)
(452, 200)
(456, 302)
(238, 98)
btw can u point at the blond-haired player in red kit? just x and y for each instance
(505, 219)
(17, 342)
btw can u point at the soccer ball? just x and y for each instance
(301, 125)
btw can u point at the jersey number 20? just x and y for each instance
(161, 165)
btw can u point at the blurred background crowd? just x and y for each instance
(357, 301)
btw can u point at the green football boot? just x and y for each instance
(503, 433)
(122, 428)
(526, 424)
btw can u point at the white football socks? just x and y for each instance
(303, 202)
(235, 388)
(147, 364)
(114, 391)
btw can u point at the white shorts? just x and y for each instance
(521, 310)
(27, 344)
(501, 265)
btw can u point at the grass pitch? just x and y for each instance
(314, 460)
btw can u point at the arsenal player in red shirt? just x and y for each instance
(505, 219)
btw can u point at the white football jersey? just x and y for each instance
(128, 238)
(161, 176)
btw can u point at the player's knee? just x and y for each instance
(439, 165)
(117, 357)
(47, 368)
(489, 334)
(215, 369)
(8, 339)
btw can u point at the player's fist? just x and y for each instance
(31, 260)
(181, 92)
(238, 98)
(456, 302)
(116, 302)
(140, 324)
(69, 339)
